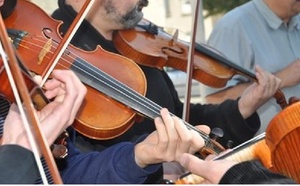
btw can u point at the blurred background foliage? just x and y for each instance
(214, 7)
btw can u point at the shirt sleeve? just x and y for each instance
(252, 172)
(115, 164)
(17, 165)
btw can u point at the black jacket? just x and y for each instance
(252, 172)
(17, 165)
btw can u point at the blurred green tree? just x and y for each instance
(214, 7)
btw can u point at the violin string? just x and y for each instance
(149, 103)
(122, 89)
(82, 14)
(119, 87)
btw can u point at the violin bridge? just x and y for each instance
(175, 37)
(46, 48)
(10, 40)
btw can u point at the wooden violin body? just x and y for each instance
(159, 49)
(36, 38)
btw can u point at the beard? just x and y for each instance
(131, 18)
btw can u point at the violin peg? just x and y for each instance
(216, 133)
(229, 144)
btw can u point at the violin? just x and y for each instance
(115, 85)
(100, 117)
(148, 44)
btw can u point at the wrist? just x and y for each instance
(246, 111)
(138, 156)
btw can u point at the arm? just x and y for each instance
(230, 172)
(290, 75)
(238, 119)
(115, 164)
(132, 163)
(68, 92)
(252, 172)
(231, 92)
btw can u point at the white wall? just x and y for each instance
(47, 5)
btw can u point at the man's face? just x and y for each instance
(125, 12)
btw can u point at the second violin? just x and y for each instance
(149, 45)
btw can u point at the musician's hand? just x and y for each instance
(13, 129)
(210, 171)
(68, 93)
(258, 93)
(171, 139)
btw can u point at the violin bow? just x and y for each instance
(67, 38)
(190, 65)
(29, 118)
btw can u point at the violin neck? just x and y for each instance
(210, 53)
(279, 96)
(103, 82)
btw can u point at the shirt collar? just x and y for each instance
(272, 19)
